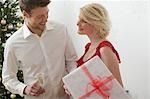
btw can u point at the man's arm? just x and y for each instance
(70, 54)
(9, 72)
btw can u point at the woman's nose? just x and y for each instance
(78, 23)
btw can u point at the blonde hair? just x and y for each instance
(96, 15)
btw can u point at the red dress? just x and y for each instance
(102, 44)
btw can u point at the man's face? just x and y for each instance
(37, 18)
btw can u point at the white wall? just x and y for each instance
(129, 35)
(149, 47)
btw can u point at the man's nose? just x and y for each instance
(45, 18)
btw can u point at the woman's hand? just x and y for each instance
(66, 90)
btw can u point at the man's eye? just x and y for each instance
(39, 17)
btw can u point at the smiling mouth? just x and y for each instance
(43, 24)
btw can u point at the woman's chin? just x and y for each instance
(81, 33)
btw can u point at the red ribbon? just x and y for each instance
(98, 83)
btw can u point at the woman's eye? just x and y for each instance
(83, 21)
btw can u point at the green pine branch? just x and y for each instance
(9, 19)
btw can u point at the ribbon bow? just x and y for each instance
(99, 85)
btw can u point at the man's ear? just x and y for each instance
(25, 14)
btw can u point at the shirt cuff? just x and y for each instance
(21, 90)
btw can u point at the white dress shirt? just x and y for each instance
(48, 55)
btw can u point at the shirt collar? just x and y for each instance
(49, 26)
(27, 32)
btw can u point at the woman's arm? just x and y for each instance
(111, 61)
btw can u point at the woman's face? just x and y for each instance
(84, 28)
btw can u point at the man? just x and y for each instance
(43, 50)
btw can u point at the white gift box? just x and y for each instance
(80, 82)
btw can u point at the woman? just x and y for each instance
(94, 22)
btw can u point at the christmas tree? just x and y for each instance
(10, 21)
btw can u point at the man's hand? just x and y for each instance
(34, 90)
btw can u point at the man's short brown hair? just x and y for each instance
(28, 5)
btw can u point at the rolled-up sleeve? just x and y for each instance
(70, 54)
(9, 72)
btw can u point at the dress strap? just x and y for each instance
(107, 44)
